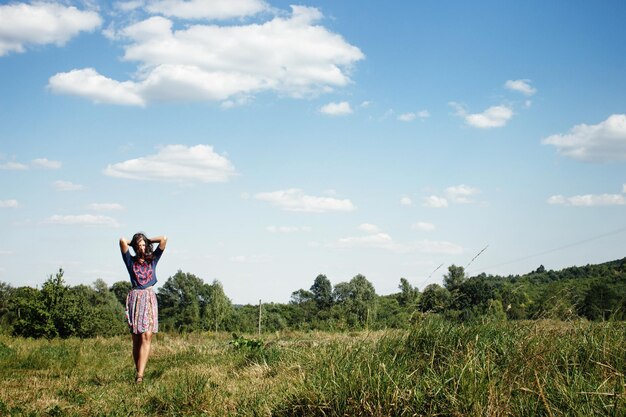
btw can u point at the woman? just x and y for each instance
(142, 310)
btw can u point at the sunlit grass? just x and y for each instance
(436, 368)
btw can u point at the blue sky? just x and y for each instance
(273, 142)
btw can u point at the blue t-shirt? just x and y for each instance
(142, 275)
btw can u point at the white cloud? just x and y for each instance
(495, 116)
(9, 203)
(369, 228)
(522, 86)
(407, 117)
(382, 240)
(424, 226)
(604, 142)
(406, 201)
(438, 247)
(128, 6)
(295, 200)
(207, 9)
(336, 109)
(624, 188)
(100, 89)
(42, 23)
(46, 163)
(61, 185)
(589, 200)
(556, 199)
(237, 102)
(105, 207)
(374, 240)
(13, 166)
(461, 194)
(435, 202)
(291, 55)
(287, 229)
(83, 220)
(177, 163)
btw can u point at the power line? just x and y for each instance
(421, 281)
(477, 255)
(580, 242)
(431, 274)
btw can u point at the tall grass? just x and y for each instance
(438, 368)
(496, 369)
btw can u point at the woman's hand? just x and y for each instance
(161, 240)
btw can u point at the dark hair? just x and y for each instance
(134, 243)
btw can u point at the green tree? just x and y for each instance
(301, 296)
(556, 300)
(322, 291)
(600, 302)
(473, 292)
(303, 309)
(434, 298)
(219, 306)
(105, 315)
(341, 292)
(243, 319)
(273, 317)
(65, 312)
(495, 311)
(408, 295)
(182, 299)
(515, 300)
(121, 289)
(30, 316)
(6, 292)
(454, 278)
(391, 314)
(361, 300)
(72, 315)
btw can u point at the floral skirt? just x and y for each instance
(142, 311)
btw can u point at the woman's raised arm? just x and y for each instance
(124, 243)
(161, 240)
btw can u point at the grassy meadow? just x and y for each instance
(437, 368)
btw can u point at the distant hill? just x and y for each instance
(593, 291)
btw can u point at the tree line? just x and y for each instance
(188, 304)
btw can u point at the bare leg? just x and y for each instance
(136, 349)
(145, 340)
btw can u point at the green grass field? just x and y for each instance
(438, 368)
